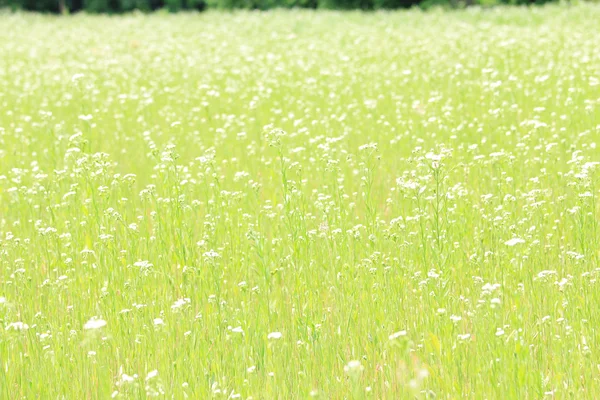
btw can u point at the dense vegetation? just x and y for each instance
(119, 6)
(293, 204)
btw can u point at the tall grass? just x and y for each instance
(293, 204)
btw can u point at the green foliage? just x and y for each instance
(174, 5)
(347, 4)
(104, 6)
(38, 5)
(10, 4)
(118, 6)
(130, 5)
(259, 4)
(97, 6)
(391, 4)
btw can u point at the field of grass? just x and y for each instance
(289, 205)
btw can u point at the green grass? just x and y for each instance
(351, 181)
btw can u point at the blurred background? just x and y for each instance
(121, 6)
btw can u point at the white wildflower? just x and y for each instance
(514, 241)
(17, 326)
(152, 374)
(94, 323)
(398, 334)
(353, 366)
(180, 303)
(274, 335)
(455, 318)
(237, 329)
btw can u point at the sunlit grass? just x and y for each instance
(292, 204)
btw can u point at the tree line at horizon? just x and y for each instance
(121, 6)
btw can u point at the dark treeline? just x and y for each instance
(102, 6)
(120, 6)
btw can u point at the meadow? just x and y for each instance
(301, 204)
